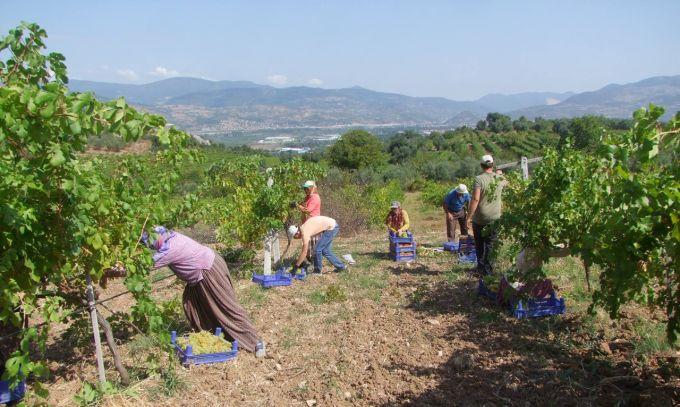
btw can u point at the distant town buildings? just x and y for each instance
(276, 140)
(326, 137)
(295, 150)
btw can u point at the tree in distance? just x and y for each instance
(357, 149)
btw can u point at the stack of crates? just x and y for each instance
(402, 248)
(466, 250)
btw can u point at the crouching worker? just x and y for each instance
(397, 220)
(209, 300)
(327, 228)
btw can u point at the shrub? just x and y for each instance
(433, 193)
(358, 207)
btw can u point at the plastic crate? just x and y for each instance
(530, 308)
(397, 239)
(466, 245)
(398, 257)
(403, 253)
(273, 280)
(7, 395)
(188, 358)
(451, 246)
(401, 249)
(470, 257)
(539, 308)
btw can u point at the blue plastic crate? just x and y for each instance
(531, 308)
(188, 358)
(539, 308)
(273, 280)
(397, 239)
(403, 257)
(400, 249)
(466, 245)
(451, 246)
(470, 257)
(7, 395)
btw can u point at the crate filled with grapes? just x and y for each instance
(198, 348)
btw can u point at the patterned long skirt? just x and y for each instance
(212, 302)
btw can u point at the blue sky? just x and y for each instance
(456, 49)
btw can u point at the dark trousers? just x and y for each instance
(458, 217)
(485, 238)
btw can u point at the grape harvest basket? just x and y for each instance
(187, 357)
(532, 308)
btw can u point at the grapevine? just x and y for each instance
(616, 208)
(236, 197)
(64, 214)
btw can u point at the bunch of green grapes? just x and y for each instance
(204, 342)
(427, 252)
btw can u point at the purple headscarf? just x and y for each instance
(158, 241)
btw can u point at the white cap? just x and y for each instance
(292, 230)
(487, 159)
(462, 189)
(309, 184)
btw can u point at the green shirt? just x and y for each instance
(489, 208)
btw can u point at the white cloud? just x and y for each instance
(128, 74)
(315, 82)
(277, 79)
(551, 101)
(163, 72)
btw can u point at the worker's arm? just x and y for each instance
(445, 207)
(303, 208)
(303, 252)
(406, 224)
(476, 194)
(387, 223)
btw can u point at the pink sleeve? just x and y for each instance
(314, 205)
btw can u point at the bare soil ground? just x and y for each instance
(405, 334)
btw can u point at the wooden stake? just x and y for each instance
(525, 168)
(267, 255)
(95, 330)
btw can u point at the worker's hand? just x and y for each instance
(449, 215)
(302, 208)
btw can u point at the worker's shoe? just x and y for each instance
(260, 349)
(340, 269)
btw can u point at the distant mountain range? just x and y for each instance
(614, 100)
(220, 106)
